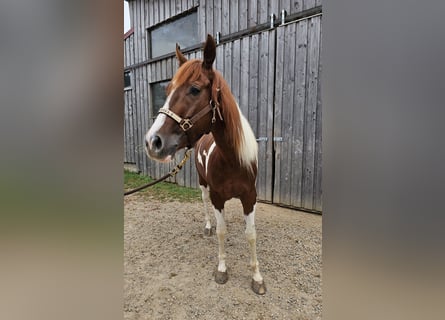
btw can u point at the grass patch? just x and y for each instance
(162, 190)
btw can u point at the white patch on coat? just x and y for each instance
(200, 159)
(251, 238)
(205, 199)
(207, 155)
(221, 231)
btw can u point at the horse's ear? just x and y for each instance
(180, 56)
(209, 52)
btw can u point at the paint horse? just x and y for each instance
(201, 112)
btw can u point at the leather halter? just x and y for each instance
(187, 123)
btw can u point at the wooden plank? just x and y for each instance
(167, 12)
(310, 113)
(172, 7)
(228, 63)
(274, 7)
(126, 58)
(163, 74)
(233, 16)
(131, 49)
(178, 6)
(126, 134)
(299, 116)
(279, 71)
(131, 121)
(202, 20)
(133, 116)
(184, 5)
(236, 67)
(245, 74)
(137, 27)
(318, 137)
(146, 15)
(145, 119)
(217, 16)
(150, 14)
(219, 61)
(138, 123)
(193, 173)
(296, 6)
(270, 114)
(209, 17)
(156, 16)
(169, 68)
(128, 145)
(243, 15)
(263, 11)
(287, 113)
(309, 4)
(253, 84)
(143, 33)
(252, 19)
(262, 127)
(225, 18)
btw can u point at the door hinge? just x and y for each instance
(278, 139)
(262, 139)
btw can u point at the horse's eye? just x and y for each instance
(194, 90)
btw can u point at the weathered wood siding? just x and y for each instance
(298, 115)
(130, 130)
(274, 75)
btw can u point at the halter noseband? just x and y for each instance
(187, 123)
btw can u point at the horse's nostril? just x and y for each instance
(156, 142)
(146, 143)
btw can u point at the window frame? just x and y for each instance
(153, 115)
(130, 87)
(166, 22)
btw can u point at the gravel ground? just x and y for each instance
(169, 263)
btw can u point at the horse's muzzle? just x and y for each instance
(161, 148)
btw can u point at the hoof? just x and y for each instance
(221, 277)
(207, 232)
(258, 288)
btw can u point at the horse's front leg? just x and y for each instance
(221, 276)
(205, 199)
(258, 285)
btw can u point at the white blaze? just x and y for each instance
(159, 122)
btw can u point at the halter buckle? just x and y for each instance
(185, 124)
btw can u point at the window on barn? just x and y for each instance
(159, 95)
(127, 80)
(183, 31)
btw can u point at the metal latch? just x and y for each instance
(275, 139)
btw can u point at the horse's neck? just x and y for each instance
(219, 135)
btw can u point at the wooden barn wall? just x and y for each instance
(129, 100)
(281, 69)
(297, 178)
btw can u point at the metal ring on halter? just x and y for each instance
(185, 124)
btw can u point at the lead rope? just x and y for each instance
(172, 173)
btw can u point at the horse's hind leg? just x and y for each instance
(205, 200)
(258, 285)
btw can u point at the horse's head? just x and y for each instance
(189, 109)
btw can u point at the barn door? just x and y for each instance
(248, 66)
(274, 75)
(297, 115)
